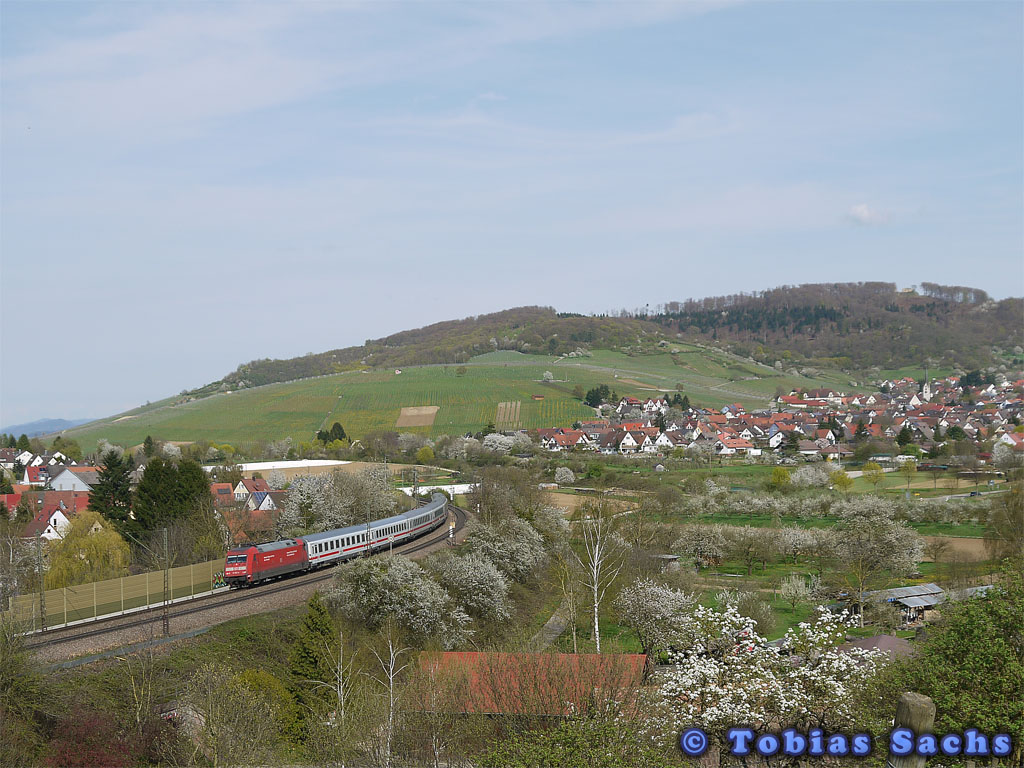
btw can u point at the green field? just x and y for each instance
(467, 397)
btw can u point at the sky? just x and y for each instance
(189, 186)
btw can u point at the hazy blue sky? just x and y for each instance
(189, 186)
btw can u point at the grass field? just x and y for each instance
(467, 397)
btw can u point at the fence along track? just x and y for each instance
(114, 623)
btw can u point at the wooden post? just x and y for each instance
(916, 712)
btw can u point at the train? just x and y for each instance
(252, 565)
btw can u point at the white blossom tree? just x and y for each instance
(656, 612)
(564, 476)
(794, 542)
(513, 545)
(729, 675)
(810, 476)
(497, 443)
(550, 522)
(704, 544)
(795, 589)
(476, 584)
(374, 590)
(870, 549)
(276, 479)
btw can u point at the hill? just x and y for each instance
(531, 330)
(42, 426)
(850, 326)
(857, 325)
(463, 374)
(506, 388)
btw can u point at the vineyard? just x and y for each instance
(467, 397)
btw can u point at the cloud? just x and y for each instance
(867, 216)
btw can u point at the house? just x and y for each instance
(82, 478)
(266, 501)
(248, 486)
(49, 525)
(36, 476)
(223, 494)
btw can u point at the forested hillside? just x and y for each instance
(845, 325)
(536, 330)
(856, 325)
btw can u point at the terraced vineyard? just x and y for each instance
(468, 397)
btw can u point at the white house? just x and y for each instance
(74, 478)
(49, 525)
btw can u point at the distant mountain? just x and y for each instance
(852, 326)
(42, 426)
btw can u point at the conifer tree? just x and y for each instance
(310, 657)
(112, 494)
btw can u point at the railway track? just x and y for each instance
(118, 623)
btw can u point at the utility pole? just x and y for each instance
(42, 585)
(166, 617)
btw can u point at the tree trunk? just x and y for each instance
(597, 628)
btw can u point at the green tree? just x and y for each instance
(905, 436)
(861, 433)
(168, 492)
(873, 473)
(23, 443)
(112, 494)
(424, 455)
(5, 483)
(780, 480)
(971, 663)
(841, 481)
(954, 433)
(148, 446)
(909, 470)
(311, 655)
(587, 741)
(89, 551)
(68, 447)
(337, 432)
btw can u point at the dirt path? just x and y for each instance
(552, 629)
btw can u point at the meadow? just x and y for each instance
(467, 396)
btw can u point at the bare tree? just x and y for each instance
(390, 660)
(567, 573)
(339, 724)
(604, 553)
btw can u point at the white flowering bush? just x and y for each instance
(476, 584)
(564, 476)
(497, 443)
(656, 612)
(513, 545)
(372, 590)
(810, 476)
(727, 675)
(550, 523)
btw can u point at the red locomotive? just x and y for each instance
(251, 565)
